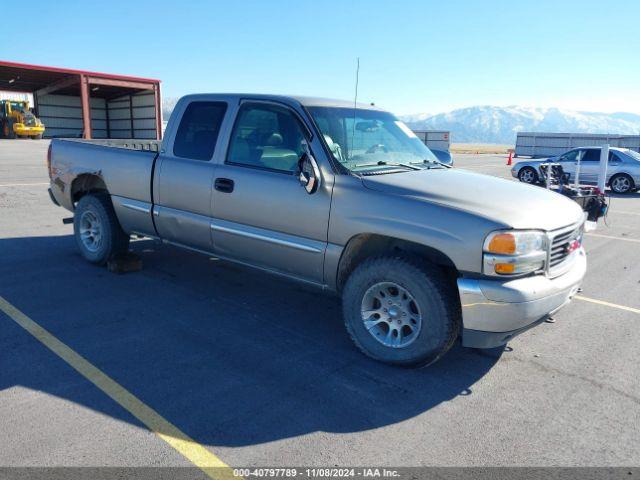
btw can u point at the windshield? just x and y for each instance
(369, 139)
(18, 107)
(632, 154)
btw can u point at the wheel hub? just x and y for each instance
(391, 314)
(621, 184)
(91, 231)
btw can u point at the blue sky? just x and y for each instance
(416, 56)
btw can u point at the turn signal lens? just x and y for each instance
(502, 243)
(505, 268)
(514, 252)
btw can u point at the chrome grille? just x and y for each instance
(559, 247)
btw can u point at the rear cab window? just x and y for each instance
(198, 130)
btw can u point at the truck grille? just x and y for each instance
(560, 246)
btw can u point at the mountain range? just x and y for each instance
(491, 124)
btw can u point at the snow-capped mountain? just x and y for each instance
(168, 104)
(490, 124)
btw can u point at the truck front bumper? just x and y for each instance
(495, 311)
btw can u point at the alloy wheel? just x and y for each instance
(391, 315)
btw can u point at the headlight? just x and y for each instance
(514, 252)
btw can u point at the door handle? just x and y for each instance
(224, 185)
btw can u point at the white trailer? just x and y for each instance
(434, 139)
(537, 144)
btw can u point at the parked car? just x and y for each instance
(348, 200)
(623, 170)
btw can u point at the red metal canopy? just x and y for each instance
(42, 80)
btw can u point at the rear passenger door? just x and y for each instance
(184, 174)
(262, 215)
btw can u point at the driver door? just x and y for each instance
(262, 215)
(569, 160)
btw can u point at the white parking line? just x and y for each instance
(634, 240)
(23, 184)
(625, 212)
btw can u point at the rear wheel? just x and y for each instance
(528, 175)
(37, 137)
(621, 183)
(401, 311)
(98, 233)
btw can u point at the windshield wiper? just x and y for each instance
(383, 163)
(437, 162)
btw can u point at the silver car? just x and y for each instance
(623, 171)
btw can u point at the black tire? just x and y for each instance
(433, 293)
(37, 137)
(8, 129)
(113, 240)
(622, 183)
(528, 175)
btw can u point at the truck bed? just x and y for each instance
(124, 166)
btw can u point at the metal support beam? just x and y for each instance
(158, 101)
(133, 131)
(59, 85)
(86, 107)
(120, 83)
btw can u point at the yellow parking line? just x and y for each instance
(608, 304)
(635, 240)
(189, 448)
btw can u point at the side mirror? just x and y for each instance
(309, 173)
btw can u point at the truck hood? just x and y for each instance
(513, 204)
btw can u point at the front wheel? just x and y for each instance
(98, 233)
(8, 129)
(621, 183)
(401, 311)
(528, 175)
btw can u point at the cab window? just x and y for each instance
(198, 130)
(571, 156)
(266, 136)
(591, 155)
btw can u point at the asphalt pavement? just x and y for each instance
(260, 371)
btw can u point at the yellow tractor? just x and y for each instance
(17, 119)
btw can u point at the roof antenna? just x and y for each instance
(355, 102)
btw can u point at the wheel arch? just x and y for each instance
(366, 245)
(634, 184)
(87, 183)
